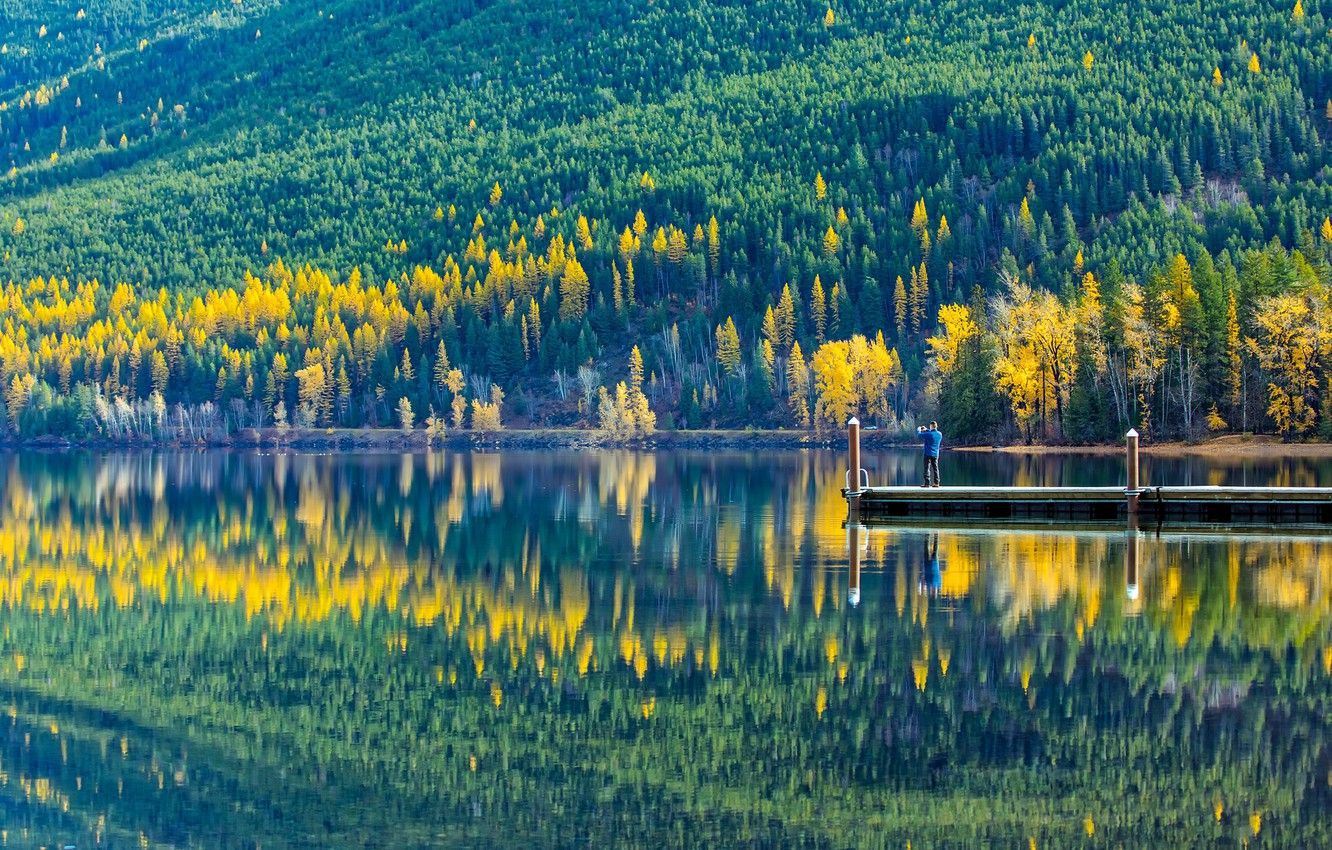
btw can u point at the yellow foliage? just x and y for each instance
(957, 326)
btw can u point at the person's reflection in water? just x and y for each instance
(931, 576)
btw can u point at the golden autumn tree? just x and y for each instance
(645, 420)
(831, 242)
(877, 372)
(574, 287)
(728, 347)
(797, 384)
(1293, 339)
(820, 187)
(900, 307)
(956, 327)
(454, 383)
(786, 319)
(818, 309)
(920, 296)
(920, 218)
(1234, 349)
(626, 413)
(1036, 355)
(583, 233)
(1144, 351)
(311, 390)
(714, 246)
(834, 384)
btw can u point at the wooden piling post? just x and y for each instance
(853, 472)
(1132, 483)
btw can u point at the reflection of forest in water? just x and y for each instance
(558, 647)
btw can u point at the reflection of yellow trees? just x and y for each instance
(1268, 590)
(301, 548)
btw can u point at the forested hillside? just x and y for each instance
(348, 213)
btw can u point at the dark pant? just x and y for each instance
(932, 471)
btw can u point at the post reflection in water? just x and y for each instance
(559, 649)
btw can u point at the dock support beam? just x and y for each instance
(853, 469)
(1132, 486)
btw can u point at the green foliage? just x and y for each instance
(257, 130)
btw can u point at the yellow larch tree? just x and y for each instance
(714, 245)
(728, 347)
(831, 242)
(956, 327)
(786, 319)
(797, 385)
(818, 309)
(1293, 339)
(920, 218)
(1234, 351)
(900, 307)
(574, 288)
(583, 233)
(834, 382)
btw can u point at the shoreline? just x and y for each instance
(1232, 446)
(390, 439)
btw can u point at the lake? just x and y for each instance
(618, 649)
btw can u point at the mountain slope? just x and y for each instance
(344, 125)
(954, 144)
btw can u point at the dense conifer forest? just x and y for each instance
(1038, 221)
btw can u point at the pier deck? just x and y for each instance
(1203, 505)
(1134, 502)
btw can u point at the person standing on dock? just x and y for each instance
(930, 440)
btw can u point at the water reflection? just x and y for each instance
(568, 649)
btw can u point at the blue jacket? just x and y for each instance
(930, 442)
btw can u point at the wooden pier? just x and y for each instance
(1133, 503)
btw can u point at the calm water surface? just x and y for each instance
(621, 649)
